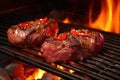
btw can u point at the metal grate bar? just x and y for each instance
(112, 56)
(86, 72)
(108, 59)
(104, 65)
(111, 49)
(3, 38)
(32, 53)
(113, 42)
(94, 68)
(112, 45)
(112, 36)
(3, 27)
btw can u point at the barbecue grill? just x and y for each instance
(105, 65)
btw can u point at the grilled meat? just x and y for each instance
(32, 33)
(74, 45)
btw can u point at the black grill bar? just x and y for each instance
(32, 53)
(3, 41)
(109, 59)
(108, 62)
(111, 56)
(109, 48)
(3, 27)
(112, 42)
(104, 68)
(115, 46)
(111, 52)
(3, 38)
(112, 37)
(102, 72)
(86, 71)
(40, 64)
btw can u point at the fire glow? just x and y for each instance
(25, 72)
(40, 73)
(109, 17)
(66, 20)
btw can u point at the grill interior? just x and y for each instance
(106, 65)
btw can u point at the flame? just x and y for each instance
(39, 74)
(62, 68)
(66, 20)
(35, 73)
(109, 17)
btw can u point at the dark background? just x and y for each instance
(72, 8)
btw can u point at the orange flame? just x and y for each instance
(109, 17)
(66, 21)
(39, 74)
(62, 68)
(36, 73)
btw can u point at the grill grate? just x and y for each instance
(106, 65)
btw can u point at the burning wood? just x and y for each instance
(49, 76)
(4, 75)
(22, 71)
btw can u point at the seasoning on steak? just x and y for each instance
(74, 45)
(32, 33)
